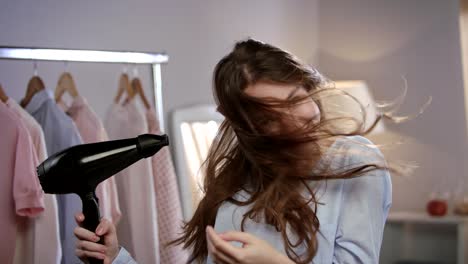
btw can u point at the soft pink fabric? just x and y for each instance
(92, 130)
(30, 247)
(167, 199)
(137, 230)
(20, 195)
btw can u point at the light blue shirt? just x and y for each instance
(352, 212)
(60, 133)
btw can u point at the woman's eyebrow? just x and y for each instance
(293, 92)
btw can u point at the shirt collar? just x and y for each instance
(10, 102)
(3, 106)
(78, 103)
(39, 99)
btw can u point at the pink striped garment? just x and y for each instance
(167, 199)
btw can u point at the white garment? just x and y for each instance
(137, 230)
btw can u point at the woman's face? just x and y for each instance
(303, 111)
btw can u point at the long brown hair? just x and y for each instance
(274, 167)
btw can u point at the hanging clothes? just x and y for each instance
(137, 230)
(22, 195)
(92, 130)
(170, 217)
(30, 247)
(60, 133)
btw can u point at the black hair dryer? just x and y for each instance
(81, 168)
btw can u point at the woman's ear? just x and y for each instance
(317, 116)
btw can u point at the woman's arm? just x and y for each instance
(254, 250)
(124, 257)
(364, 208)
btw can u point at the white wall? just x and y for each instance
(377, 41)
(195, 34)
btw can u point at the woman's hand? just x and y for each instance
(254, 249)
(88, 245)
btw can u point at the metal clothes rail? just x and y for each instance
(103, 56)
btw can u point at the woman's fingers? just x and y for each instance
(104, 227)
(221, 249)
(88, 254)
(88, 245)
(79, 217)
(84, 234)
(242, 237)
(91, 246)
(218, 257)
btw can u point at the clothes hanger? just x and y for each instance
(124, 86)
(65, 84)
(35, 85)
(3, 96)
(138, 88)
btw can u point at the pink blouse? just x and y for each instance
(21, 194)
(30, 233)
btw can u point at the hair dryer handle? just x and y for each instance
(92, 217)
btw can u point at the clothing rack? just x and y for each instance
(102, 56)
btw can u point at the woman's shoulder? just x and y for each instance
(354, 150)
(352, 142)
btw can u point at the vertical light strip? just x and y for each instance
(191, 154)
(199, 133)
(464, 51)
(212, 127)
(461, 179)
(158, 99)
(199, 153)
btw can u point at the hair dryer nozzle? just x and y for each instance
(149, 144)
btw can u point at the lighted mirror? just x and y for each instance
(193, 130)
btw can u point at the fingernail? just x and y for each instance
(96, 238)
(99, 230)
(80, 218)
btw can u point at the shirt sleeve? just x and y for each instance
(124, 257)
(28, 195)
(365, 203)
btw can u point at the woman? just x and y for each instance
(279, 169)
